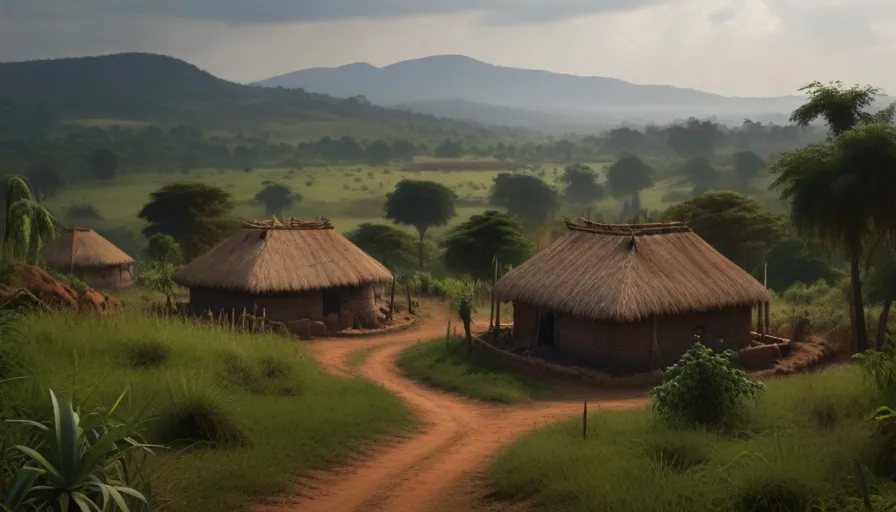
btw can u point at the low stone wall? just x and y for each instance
(542, 369)
(361, 333)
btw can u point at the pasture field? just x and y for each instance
(260, 409)
(348, 196)
(793, 450)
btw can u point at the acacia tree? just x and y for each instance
(471, 247)
(527, 198)
(581, 184)
(28, 224)
(194, 214)
(422, 204)
(840, 192)
(277, 197)
(627, 177)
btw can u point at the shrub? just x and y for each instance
(703, 388)
(273, 368)
(70, 280)
(199, 419)
(147, 353)
(880, 367)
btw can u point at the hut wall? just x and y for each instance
(290, 307)
(626, 348)
(358, 308)
(106, 277)
(216, 301)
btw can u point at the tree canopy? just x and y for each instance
(163, 248)
(525, 197)
(103, 163)
(422, 204)
(194, 214)
(733, 224)
(747, 165)
(391, 246)
(628, 176)
(701, 174)
(276, 198)
(471, 247)
(581, 184)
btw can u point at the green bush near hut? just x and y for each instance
(243, 415)
(792, 451)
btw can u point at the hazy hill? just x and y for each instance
(453, 77)
(146, 87)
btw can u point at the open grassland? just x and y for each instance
(451, 367)
(792, 451)
(261, 410)
(347, 195)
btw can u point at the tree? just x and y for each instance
(581, 184)
(378, 152)
(277, 197)
(103, 163)
(694, 138)
(194, 214)
(842, 109)
(628, 176)
(403, 149)
(701, 174)
(747, 165)
(391, 246)
(28, 224)
(527, 198)
(882, 290)
(163, 248)
(471, 246)
(422, 204)
(793, 260)
(733, 224)
(45, 181)
(840, 192)
(448, 149)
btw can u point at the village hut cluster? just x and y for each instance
(629, 298)
(291, 271)
(93, 259)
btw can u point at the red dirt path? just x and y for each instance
(438, 467)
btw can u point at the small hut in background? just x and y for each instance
(292, 270)
(90, 257)
(629, 298)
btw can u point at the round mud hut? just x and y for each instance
(628, 298)
(291, 271)
(90, 257)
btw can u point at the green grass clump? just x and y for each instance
(453, 368)
(783, 455)
(245, 443)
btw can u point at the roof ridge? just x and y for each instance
(647, 229)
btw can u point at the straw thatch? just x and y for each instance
(283, 257)
(83, 248)
(626, 273)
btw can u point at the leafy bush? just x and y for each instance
(77, 461)
(197, 417)
(703, 388)
(147, 353)
(880, 367)
(70, 280)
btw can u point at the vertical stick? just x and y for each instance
(497, 319)
(765, 323)
(759, 318)
(491, 313)
(392, 299)
(585, 421)
(448, 334)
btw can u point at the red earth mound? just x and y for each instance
(55, 294)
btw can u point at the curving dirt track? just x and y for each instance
(435, 469)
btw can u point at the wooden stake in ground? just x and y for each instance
(585, 421)
(392, 300)
(491, 313)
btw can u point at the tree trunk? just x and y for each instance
(422, 233)
(882, 325)
(392, 300)
(636, 207)
(860, 331)
(407, 294)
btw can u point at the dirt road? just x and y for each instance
(435, 469)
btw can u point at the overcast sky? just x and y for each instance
(736, 47)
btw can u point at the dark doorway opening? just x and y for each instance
(546, 328)
(331, 302)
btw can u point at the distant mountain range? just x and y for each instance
(157, 88)
(462, 87)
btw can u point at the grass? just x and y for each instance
(358, 357)
(245, 414)
(452, 368)
(792, 450)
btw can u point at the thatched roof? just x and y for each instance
(283, 256)
(626, 273)
(83, 248)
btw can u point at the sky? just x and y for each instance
(731, 47)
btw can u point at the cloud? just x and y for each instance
(266, 11)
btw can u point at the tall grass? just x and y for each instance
(249, 413)
(793, 450)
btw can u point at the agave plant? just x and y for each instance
(77, 462)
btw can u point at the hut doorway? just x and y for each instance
(332, 302)
(546, 328)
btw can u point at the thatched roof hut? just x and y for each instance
(86, 254)
(293, 269)
(618, 281)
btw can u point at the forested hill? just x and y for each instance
(156, 88)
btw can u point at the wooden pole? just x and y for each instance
(497, 319)
(585, 421)
(759, 318)
(491, 313)
(766, 321)
(392, 300)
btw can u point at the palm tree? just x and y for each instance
(840, 193)
(28, 224)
